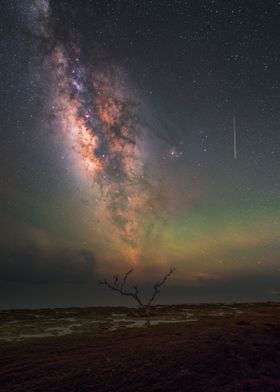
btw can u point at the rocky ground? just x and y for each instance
(186, 348)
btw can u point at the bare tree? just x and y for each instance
(119, 285)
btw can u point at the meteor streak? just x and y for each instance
(234, 138)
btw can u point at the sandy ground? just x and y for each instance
(189, 348)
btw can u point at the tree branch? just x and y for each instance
(158, 285)
(120, 288)
(125, 278)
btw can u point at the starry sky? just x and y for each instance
(139, 134)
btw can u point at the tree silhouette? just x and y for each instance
(119, 285)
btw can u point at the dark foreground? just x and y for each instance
(235, 352)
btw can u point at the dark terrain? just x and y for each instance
(205, 348)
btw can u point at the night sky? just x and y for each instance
(139, 134)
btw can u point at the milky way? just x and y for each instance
(94, 110)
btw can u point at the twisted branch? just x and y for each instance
(115, 286)
(158, 285)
